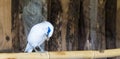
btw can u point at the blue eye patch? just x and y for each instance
(49, 30)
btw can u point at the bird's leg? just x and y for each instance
(35, 49)
(42, 47)
(39, 48)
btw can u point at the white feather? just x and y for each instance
(37, 35)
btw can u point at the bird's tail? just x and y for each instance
(28, 48)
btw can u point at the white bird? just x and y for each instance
(38, 34)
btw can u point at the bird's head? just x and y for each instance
(50, 30)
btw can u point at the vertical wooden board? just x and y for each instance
(118, 24)
(93, 23)
(86, 18)
(101, 25)
(64, 4)
(54, 16)
(5, 25)
(110, 7)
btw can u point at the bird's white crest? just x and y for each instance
(38, 34)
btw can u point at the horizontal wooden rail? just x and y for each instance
(62, 54)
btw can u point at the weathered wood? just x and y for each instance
(81, 27)
(54, 13)
(5, 25)
(18, 35)
(72, 29)
(101, 25)
(94, 18)
(62, 55)
(118, 24)
(64, 15)
(110, 23)
(111, 6)
(93, 23)
(85, 30)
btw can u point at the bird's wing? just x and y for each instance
(37, 35)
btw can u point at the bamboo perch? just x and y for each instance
(62, 54)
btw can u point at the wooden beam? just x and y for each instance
(62, 54)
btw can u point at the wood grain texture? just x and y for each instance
(118, 24)
(62, 55)
(64, 15)
(5, 24)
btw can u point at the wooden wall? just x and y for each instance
(5, 25)
(64, 15)
(70, 19)
(118, 24)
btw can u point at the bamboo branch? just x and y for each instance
(62, 54)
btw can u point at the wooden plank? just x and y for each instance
(65, 6)
(5, 24)
(118, 24)
(85, 31)
(54, 10)
(101, 25)
(97, 24)
(93, 22)
(72, 27)
(111, 6)
(62, 55)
